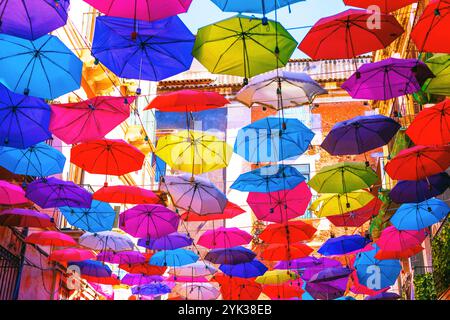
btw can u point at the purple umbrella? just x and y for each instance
(149, 221)
(387, 79)
(32, 19)
(359, 135)
(232, 255)
(307, 263)
(122, 257)
(421, 190)
(327, 290)
(53, 193)
(195, 194)
(132, 279)
(384, 296)
(151, 289)
(169, 242)
(92, 268)
(330, 274)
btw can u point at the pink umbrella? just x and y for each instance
(122, 257)
(88, 120)
(105, 290)
(280, 206)
(11, 194)
(173, 278)
(25, 218)
(224, 238)
(51, 238)
(396, 244)
(132, 279)
(198, 291)
(196, 269)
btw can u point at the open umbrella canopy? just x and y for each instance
(231, 210)
(43, 68)
(357, 217)
(195, 269)
(90, 119)
(343, 177)
(280, 206)
(360, 134)
(439, 64)
(307, 263)
(92, 268)
(233, 255)
(51, 238)
(132, 279)
(126, 195)
(143, 268)
(224, 238)
(11, 194)
(25, 218)
(71, 254)
(53, 193)
(387, 79)
(99, 217)
(253, 6)
(173, 258)
(24, 120)
(143, 50)
(419, 162)
(384, 296)
(331, 274)
(269, 179)
(151, 289)
(279, 251)
(283, 291)
(149, 220)
(243, 46)
(106, 240)
(348, 34)
(195, 152)
(171, 241)
(235, 288)
(122, 257)
(198, 291)
(415, 191)
(343, 245)
(329, 290)
(276, 277)
(289, 232)
(40, 160)
(417, 216)
(330, 204)
(396, 244)
(432, 125)
(272, 139)
(250, 269)
(187, 101)
(385, 6)
(296, 89)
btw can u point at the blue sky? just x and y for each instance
(306, 13)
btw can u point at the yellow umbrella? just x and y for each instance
(193, 151)
(276, 277)
(332, 204)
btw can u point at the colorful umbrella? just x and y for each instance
(231, 210)
(173, 258)
(359, 288)
(24, 120)
(272, 139)
(439, 64)
(11, 194)
(397, 244)
(419, 162)
(187, 101)
(149, 220)
(384, 296)
(360, 134)
(387, 79)
(143, 268)
(327, 290)
(195, 194)
(43, 68)
(432, 125)
(384, 5)
(276, 252)
(343, 245)
(151, 289)
(276, 277)
(283, 291)
(111, 157)
(51, 238)
(91, 268)
(280, 206)
(106, 240)
(429, 32)
(348, 35)
(307, 263)
(289, 232)
(233, 255)
(71, 254)
(357, 217)
(186, 279)
(90, 119)
(140, 279)
(417, 216)
(224, 238)
(243, 46)
(258, 6)
(122, 257)
(143, 50)
(420, 190)
(196, 269)
(53, 193)
(269, 179)
(40, 160)
(280, 90)
(25, 218)
(126, 195)
(331, 274)
(198, 291)
(234, 288)
(171, 241)
(195, 152)
(250, 269)
(334, 204)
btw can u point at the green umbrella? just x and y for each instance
(439, 64)
(243, 46)
(343, 177)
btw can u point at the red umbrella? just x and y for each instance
(419, 162)
(71, 254)
(386, 6)
(431, 34)
(234, 288)
(187, 101)
(284, 291)
(277, 252)
(51, 238)
(359, 288)
(291, 232)
(11, 194)
(143, 268)
(112, 157)
(231, 210)
(432, 125)
(347, 35)
(113, 280)
(126, 195)
(358, 217)
(25, 218)
(88, 120)
(224, 238)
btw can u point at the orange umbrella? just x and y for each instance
(290, 232)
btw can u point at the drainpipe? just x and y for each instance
(20, 271)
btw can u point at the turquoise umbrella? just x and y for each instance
(173, 258)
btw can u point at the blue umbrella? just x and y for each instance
(253, 6)
(158, 50)
(24, 120)
(343, 245)
(250, 269)
(272, 139)
(269, 179)
(39, 160)
(232, 255)
(173, 258)
(99, 217)
(345, 298)
(151, 289)
(43, 68)
(376, 274)
(169, 242)
(417, 191)
(417, 216)
(92, 268)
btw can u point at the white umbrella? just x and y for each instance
(106, 240)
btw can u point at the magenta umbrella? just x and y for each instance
(224, 238)
(122, 257)
(11, 194)
(132, 279)
(149, 221)
(396, 244)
